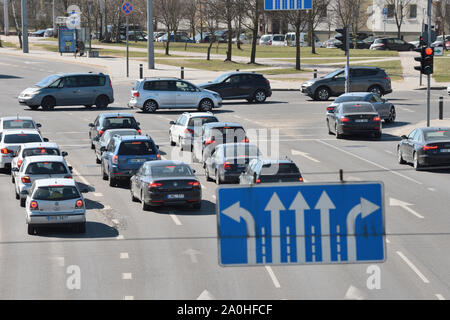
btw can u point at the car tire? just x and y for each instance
(338, 135)
(218, 181)
(208, 178)
(376, 89)
(260, 96)
(104, 175)
(133, 198)
(102, 102)
(197, 206)
(33, 107)
(377, 136)
(172, 143)
(149, 106)
(416, 164)
(322, 94)
(17, 195)
(392, 116)
(22, 202)
(400, 157)
(88, 106)
(249, 100)
(12, 179)
(48, 103)
(32, 230)
(97, 160)
(205, 105)
(112, 181)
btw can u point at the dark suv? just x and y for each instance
(240, 85)
(391, 44)
(362, 79)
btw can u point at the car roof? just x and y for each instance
(161, 78)
(165, 163)
(55, 181)
(199, 114)
(133, 137)
(271, 161)
(223, 124)
(428, 129)
(80, 74)
(20, 131)
(16, 118)
(237, 144)
(241, 72)
(352, 103)
(355, 94)
(45, 158)
(116, 114)
(40, 144)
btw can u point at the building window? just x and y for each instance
(390, 10)
(413, 11)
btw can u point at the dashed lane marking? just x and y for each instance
(413, 267)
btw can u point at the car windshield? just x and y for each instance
(119, 122)
(56, 193)
(130, 148)
(438, 135)
(378, 41)
(40, 152)
(356, 108)
(47, 81)
(220, 78)
(46, 168)
(278, 38)
(201, 121)
(22, 138)
(331, 75)
(18, 124)
(349, 98)
(265, 38)
(241, 150)
(179, 170)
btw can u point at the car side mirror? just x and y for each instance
(172, 122)
(138, 123)
(193, 170)
(15, 169)
(157, 146)
(70, 168)
(91, 125)
(102, 149)
(64, 154)
(38, 125)
(404, 137)
(45, 139)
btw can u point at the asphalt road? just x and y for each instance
(171, 253)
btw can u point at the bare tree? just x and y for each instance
(211, 16)
(348, 12)
(299, 20)
(315, 16)
(16, 22)
(443, 15)
(170, 14)
(400, 11)
(253, 13)
(227, 12)
(191, 9)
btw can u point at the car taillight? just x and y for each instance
(158, 156)
(68, 177)
(270, 42)
(387, 78)
(136, 94)
(139, 131)
(101, 132)
(79, 204)
(430, 147)
(34, 205)
(26, 179)
(258, 180)
(330, 108)
(194, 183)
(110, 84)
(226, 165)
(300, 179)
(344, 119)
(376, 119)
(155, 184)
(267, 82)
(19, 163)
(209, 141)
(246, 140)
(191, 131)
(115, 159)
(6, 151)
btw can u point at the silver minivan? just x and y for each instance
(86, 89)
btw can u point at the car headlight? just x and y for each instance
(30, 95)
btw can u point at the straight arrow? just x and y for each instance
(325, 205)
(304, 155)
(274, 206)
(193, 254)
(299, 205)
(405, 205)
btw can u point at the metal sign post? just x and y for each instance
(347, 66)
(429, 75)
(150, 46)
(127, 9)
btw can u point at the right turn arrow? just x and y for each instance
(405, 205)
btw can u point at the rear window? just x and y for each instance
(203, 120)
(171, 171)
(160, 85)
(56, 193)
(18, 124)
(437, 135)
(358, 108)
(22, 138)
(283, 168)
(378, 41)
(349, 99)
(228, 130)
(130, 148)
(40, 152)
(46, 168)
(119, 122)
(284, 172)
(241, 150)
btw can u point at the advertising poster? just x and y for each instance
(66, 40)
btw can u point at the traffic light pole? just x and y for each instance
(347, 49)
(428, 75)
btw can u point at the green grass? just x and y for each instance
(272, 72)
(322, 61)
(7, 44)
(210, 65)
(393, 68)
(441, 69)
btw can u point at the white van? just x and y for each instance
(289, 40)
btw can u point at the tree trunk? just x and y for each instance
(167, 42)
(255, 33)
(297, 44)
(230, 36)
(311, 32)
(16, 23)
(238, 37)
(208, 55)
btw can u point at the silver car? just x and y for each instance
(18, 122)
(39, 167)
(55, 202)
(150, 94)
(104, 139)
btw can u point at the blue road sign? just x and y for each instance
(301, 224)
(66, 39)
(288, 4)
(127, 8)
(385, 11)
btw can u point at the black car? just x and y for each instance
(391, 44)
(166, 182)
(229, 160)
(354, 118)
(214, 134)
(270, 171)
(425, 147)
(241, 85)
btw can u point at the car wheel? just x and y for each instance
(376, 89)
(172, 143)
(249, 100)
(12, 179)
(17, 195)
(133, 198)
(197, 206)
(377, 135)
(22, 202)
(48, 103)
(260, 96)
(208, 178)
(218, 181)
(33, 107)
(400, 157)
(97, 160)
(392, 116)
(32, 230)
(149, 106)
(205, 105)
(416, 164)
(322, 94)
(104, 175)
(112, 181)
(338, 135)
(102, 102)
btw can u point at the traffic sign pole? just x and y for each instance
(127, 9)
(128, 57)
(150, 47)
(429, 75)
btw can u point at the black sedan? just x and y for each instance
(229, 160)
(354, 118)
(270, 171)
(425, 147)
(241, 85)
(166, 182)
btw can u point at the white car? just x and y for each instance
(55, 202)
(34, 149)
(39, 167)
(10, 141)
(278, 40)
(18, 122)
(181, 132)
(266, 40)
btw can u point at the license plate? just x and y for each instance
(361, 120)
(137, 160)
(56, 218)
(445, 150)
(175, 196)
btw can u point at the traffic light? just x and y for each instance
(425, 59)
(342, 38)
(420, 59)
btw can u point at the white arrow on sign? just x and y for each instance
(364, 209)
(237, 213)
(206, 295)
(300, 205)
(405, 205)
(274, 206)
(303, 154)
(192, 253)
(325, 205)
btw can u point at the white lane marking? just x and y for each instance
(128, 298)
(214, 197)
(83, 179)
(404, 109)
(127, 276)
(405, 205)
(413, 267)
(432, 189)
(303, 154)
(106, 207)
(175, 219)
(115, 221)
(165, 118)
(272, 275)
(206, 295)
(439, 296)
(98, 194)
(354, 293)
(371, 162)
(124, 255)
(203, 187)
(388, 151)
(387, 240)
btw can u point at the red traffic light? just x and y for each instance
(429, 51)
